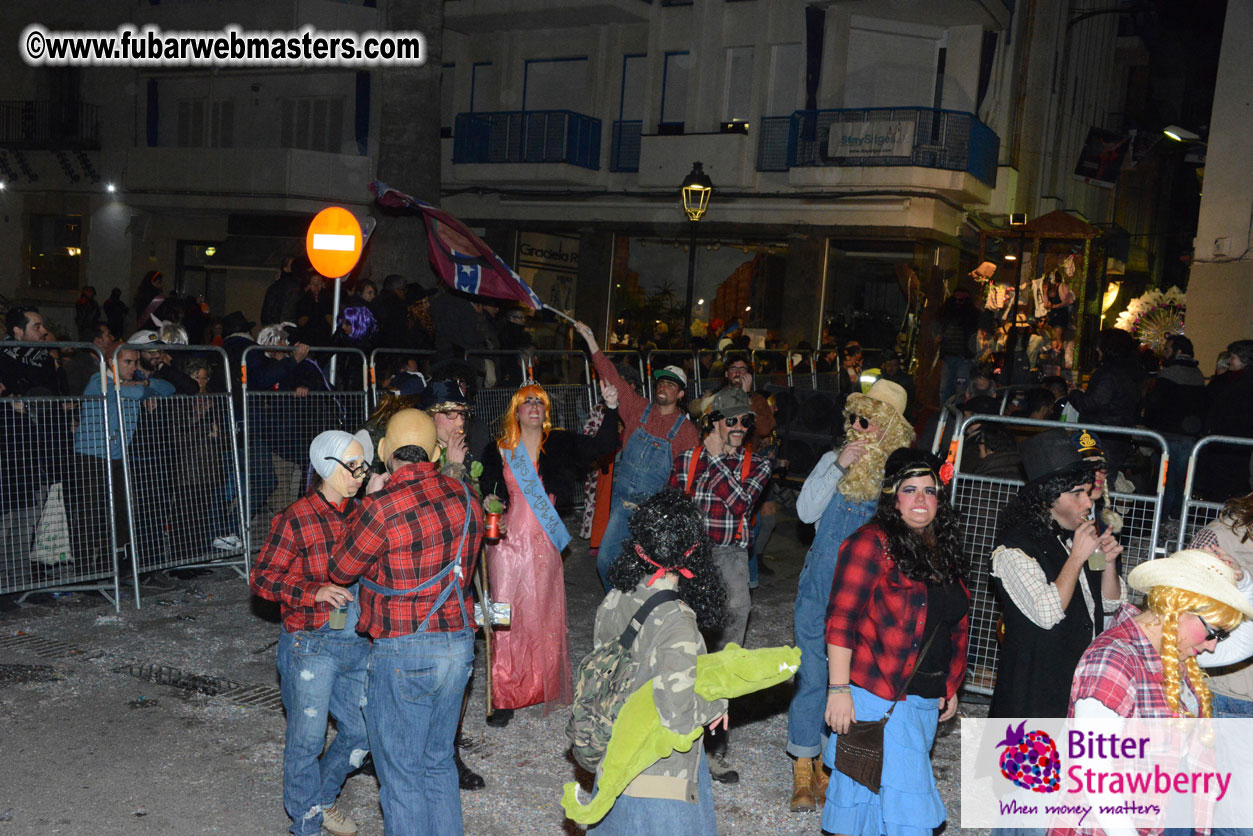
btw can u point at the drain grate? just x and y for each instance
(43, 648)
(260, 696)
(11, 674)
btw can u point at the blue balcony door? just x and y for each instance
(556, 84)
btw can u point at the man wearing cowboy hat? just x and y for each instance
(839, 496)
(726, 480)
(1045, 582)
(655, 431)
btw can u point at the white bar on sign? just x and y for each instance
(338, 243)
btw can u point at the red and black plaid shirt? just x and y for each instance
(881, 615)
(292, 565)
(721, 490)
(402, 537)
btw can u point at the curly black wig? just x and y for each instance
(670, 529)
(933, 555)
(1031, 510)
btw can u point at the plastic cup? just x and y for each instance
(339, 618)
(1096, 561)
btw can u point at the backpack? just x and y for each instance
(603, 685)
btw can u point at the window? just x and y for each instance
(674, 88)
(482, 88)
(206, 124)
(891, 64)
(56, 251)
(447, 89)
(634, 82)
(313, 124)
(787, 79)
(739, 97)
(556, 84)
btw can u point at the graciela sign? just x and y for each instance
(883, 138)
(1106, 774)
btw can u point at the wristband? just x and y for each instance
(839, 689)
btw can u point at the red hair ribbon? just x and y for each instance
(661, 570)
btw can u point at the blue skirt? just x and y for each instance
(908, 803)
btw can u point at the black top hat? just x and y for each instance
(440, 394)
(1053, 453)
(234, 322)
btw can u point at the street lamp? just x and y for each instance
(696, 189)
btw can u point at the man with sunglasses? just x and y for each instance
(655, 432)
(726, 480)
(739, 373)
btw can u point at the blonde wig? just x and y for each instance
(1168, 603)
(510, 432)
(864, 478)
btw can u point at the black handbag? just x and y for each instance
(859, 751)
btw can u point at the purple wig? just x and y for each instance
(361, 322)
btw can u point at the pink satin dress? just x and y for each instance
(530, 657)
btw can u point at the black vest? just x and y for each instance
(1036, 666)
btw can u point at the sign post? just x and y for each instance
(334, 244)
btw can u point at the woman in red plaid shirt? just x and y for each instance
(898, 591)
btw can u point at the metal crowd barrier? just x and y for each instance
(57, 524)
(632, 358)
(687, 360)
(180, 467)
(567, 377)
(282, 419)
(384, 362)
(1198, 513)
(980, 500)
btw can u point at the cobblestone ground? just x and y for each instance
(92, 745)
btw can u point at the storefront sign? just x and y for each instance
(881, 138)
(550, 265)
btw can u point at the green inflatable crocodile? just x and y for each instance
(639, 739)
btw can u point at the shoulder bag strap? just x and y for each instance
(632, 631)
(900, 692)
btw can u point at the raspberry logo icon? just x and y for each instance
(1030, 759)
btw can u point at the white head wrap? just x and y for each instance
(333, 443)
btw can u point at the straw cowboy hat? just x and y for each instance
(1196, 571)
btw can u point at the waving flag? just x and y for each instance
(462, 260)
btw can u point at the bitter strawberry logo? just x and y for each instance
(1030, 759)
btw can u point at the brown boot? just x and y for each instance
(819, 784)
(802, 783)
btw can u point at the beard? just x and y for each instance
(864, 477)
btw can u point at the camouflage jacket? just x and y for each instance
(667, 647)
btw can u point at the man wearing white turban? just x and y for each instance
(321, 658)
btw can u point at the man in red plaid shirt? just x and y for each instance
(725, 481)
(413, 546)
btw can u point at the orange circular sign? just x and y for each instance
(334, 242)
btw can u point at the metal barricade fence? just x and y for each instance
(567, 377)
(705, 377)
(1198, 513)
(980, 500)
(386, 362)
(180, 462)
(770, 367)
(285, 406)
(634, 360)
(58, 524)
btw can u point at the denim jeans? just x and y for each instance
(611, 541)
(954, 374)
(413, 702)
(322, 671)
(631, 816)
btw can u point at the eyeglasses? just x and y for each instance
(1211, 633)
(745, 421)
(357, 470)
(463, 414)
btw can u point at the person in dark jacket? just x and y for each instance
(1175, 407)
(957, 322)
(998, 453)
(1054, 602)
(390, 312)
(115, 311)
(282, 297)
(1114, 392)
(86, 310)
(1224, 470)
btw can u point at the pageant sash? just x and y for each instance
(533, 489)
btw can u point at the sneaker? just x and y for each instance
(229, 543)
(720, 770)
(334, 821)
(159, 581)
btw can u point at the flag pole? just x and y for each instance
(562, 314)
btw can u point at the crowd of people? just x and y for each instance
(377, 531)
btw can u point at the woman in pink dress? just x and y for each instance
(533, 468)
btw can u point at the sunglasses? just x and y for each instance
(357, 470)
(745, 421)
(860, 421)
(1211, 633)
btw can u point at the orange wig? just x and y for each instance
(510, 432)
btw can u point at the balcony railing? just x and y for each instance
(624, 149)
(527, 136)
(49, 125)
(913, 136)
